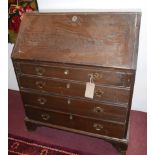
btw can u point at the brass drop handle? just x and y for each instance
(99, 93)
(40, 84)
(42, 100)
(45, 116)
(68, 85)
(97, 126)
(68, 101)
(95, 76)
(66, 72)
(98, 110)
(39, 70)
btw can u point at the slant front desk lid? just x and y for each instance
(108, 39)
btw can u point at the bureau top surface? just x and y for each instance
(100, 39)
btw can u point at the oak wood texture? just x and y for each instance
(103, 39)
(77, 122)
(87, 108)
(65, 87)
(118, 77)
(57, 53)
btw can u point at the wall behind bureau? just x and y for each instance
(139, 101)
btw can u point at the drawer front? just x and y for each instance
(109, 112)
(59, 103)
(109, 94)
(108, 77)
(76, 122)
(76, 106)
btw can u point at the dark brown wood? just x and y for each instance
(90, 108)
(121, 147)
(120, 141)
(103, 39)
(106, 76)
(77, 89)
(57, 53)
(30, 126)
(76, 122)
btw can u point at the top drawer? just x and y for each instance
(104, 76)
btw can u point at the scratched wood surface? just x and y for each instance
(101, 39)
(57, 53)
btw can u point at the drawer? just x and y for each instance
(104, 76)
(109, 112)
(110, 94)
(59, 103)
(76, 106)
(76, 122)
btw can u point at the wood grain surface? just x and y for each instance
(57, 53)
(100, 39)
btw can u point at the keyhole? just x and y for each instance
(74, 18)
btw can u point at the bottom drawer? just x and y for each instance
(76, 122)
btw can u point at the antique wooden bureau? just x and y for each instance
(76, 71)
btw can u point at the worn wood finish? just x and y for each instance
(65, 87)
(76, 122)
(106, 76)
(57, 53)
(108, 38)
(76, 106)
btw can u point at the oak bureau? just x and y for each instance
(76, 71)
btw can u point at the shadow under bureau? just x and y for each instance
(76, 72)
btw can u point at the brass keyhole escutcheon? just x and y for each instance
(70, 116)
(66, 72)
(68, 101)
(68, 85)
